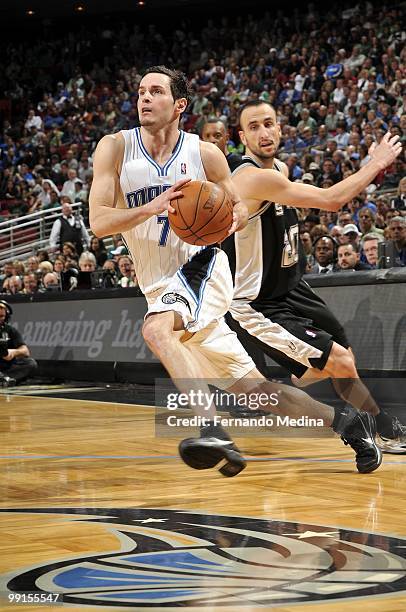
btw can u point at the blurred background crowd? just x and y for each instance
(336, 79)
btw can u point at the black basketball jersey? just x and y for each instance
(266, 258)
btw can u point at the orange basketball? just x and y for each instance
(203, 215)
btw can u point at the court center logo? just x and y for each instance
(168, 559)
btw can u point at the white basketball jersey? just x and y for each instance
(155, 249)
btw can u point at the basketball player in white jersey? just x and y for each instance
(137, 173)
(272, 303)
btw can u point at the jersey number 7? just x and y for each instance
(165, 229)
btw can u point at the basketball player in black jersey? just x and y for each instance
(273, 306)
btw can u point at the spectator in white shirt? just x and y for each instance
(33, 120)
(300, 79)
(342, 137)
(339, 93)
(69, 227)
(356, 58)
(68, 187)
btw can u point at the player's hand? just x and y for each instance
(240, 218)
(163, 202)
(10, 355)
(387, 151)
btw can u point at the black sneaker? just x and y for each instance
(360, 435)
(7, 381)
(396, 445)
(205, 453)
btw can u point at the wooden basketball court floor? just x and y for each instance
(96, 507)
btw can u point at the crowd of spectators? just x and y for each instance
(334, 242)
(66, 270)
(336, 79)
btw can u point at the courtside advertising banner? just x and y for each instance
(373, 316)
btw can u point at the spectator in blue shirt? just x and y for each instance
(397, 235)
(293, 143)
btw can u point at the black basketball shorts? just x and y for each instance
(296, 330)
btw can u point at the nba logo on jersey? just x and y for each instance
(183, 168)
(310, 333)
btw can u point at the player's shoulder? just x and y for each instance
(115, 140)
(208, 147)
(241, 162)
(210, 153)
(110, 149)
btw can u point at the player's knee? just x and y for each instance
(341, 363)
(153, 333)
(158, 331)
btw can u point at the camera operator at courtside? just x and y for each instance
(16, 364)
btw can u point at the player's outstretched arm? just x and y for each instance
(256, 184)
(217, 171)
(105, 218)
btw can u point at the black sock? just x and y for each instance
(384, 424)
(342, 418)
(214, 431)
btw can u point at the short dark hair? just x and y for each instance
(214, 120)
(355, 247)
(179, 84)
(253, 103)
(333, 242)
(312, 218)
